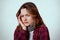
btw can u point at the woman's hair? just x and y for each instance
(33, 10)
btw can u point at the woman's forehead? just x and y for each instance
(24, 11)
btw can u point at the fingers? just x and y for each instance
(19, 17)
(20, 22)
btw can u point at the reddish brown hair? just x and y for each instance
(32, 9)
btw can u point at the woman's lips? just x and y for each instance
(25, 22)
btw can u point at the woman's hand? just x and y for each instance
(20, 22)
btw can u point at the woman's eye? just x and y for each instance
(28, 15)
(22, 15)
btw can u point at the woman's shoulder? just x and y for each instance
(43, 27)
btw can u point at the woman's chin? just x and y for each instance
(27, 25)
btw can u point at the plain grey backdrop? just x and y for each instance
(48, 9)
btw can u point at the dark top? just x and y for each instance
(40, 33)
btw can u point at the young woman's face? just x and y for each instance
(26, 17)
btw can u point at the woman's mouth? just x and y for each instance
(25, 22)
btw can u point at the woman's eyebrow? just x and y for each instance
(27, 14)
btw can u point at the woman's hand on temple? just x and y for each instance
(20, 22)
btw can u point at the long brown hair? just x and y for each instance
(33, 10)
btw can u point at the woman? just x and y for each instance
(31, 26)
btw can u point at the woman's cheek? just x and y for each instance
(30, 19)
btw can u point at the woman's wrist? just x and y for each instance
(24, 28)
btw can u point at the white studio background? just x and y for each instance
(48, 9)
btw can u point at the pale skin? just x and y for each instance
(25, 18)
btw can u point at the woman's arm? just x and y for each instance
(21, 35)
(44, 34)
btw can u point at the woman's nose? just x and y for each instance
(25, 18)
